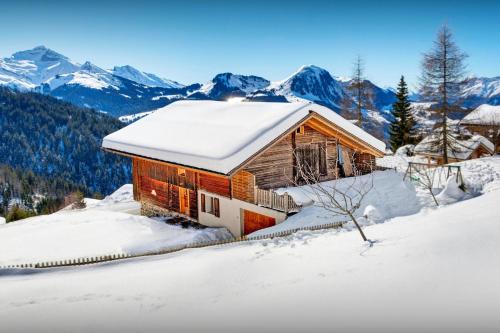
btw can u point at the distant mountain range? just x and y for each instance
(124, 90)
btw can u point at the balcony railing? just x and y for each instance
(270, 199)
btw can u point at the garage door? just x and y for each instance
(254, 221)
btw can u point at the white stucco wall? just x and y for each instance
(231, 213)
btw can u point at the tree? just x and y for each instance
(340, 198)
(402, 127)
(443, 72)
(78, 200)
(359, 91)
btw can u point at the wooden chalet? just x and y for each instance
(217, 163)
(485, 121)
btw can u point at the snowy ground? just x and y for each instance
(432, 269)
(104, 227)
(436, 270)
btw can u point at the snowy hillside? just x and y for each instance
(434, 270)
(107, 226)
(482, 90)
(146, 79)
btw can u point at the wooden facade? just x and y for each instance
(174, 188)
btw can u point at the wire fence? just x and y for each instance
(121, 256)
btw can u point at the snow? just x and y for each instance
(147, 79)
(105, 227)
(133, 117)
(390, 196)
(483, 115)
(2, 220)
(222, 135)
(34, 67)
(481, 86)
(433, 271)
(461, 148)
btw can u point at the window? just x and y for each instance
(300, 130)
(210, 205)
(312, 159)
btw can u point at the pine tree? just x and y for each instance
(402, 128)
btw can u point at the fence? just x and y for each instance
(121, 256)
(270, 199)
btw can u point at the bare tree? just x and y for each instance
(358, 89)
(442, 79)
(340, 199)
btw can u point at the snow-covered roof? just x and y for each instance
(219, 136)
(483, 115)
(460, 148)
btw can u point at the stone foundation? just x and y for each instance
(151, 210)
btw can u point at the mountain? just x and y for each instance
(44, 70)
(26, 70)
(226, 85)
(58, 140)
(481, 90)
(311, 83)
(147, 79)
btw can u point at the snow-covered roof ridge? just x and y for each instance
(219, 136)
(461, 148)
(484, 114)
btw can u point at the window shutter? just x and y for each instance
(203, 202)
(216, 207)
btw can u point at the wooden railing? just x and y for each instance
(270, 199)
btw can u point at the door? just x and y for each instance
(184, 201)
(254, 221)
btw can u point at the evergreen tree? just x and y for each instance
(402, 128)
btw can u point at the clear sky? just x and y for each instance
(191, 41)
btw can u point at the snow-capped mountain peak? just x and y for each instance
(226, 85)
(312, 83)
(91, 68)
(36, 66)
(147, 79)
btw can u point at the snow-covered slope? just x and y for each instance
(111, 225)
(146, 79)
(434, 271)
(481, 90)
(37, 65)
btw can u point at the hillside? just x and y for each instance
(432, 269)
(56, 139)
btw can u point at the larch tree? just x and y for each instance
(359, 91)
(443, 73)
(402, 127)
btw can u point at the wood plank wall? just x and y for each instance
(274, 168)
(159, 183)
(243, 186)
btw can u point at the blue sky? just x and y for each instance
(191, 41)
